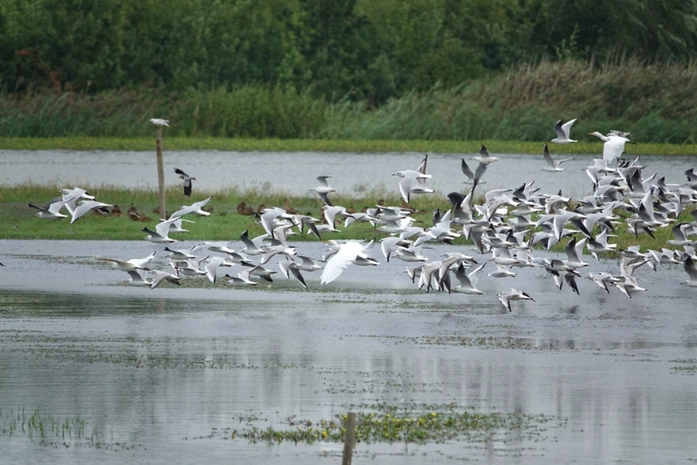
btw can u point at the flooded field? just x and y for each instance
(172, 375)
(295, 173)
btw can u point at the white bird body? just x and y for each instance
(613, 146)
(129, 265)
(346, 253)
(485, 157)
(411, 183)
(323, 189)
(159, 122)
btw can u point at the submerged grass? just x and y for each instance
(406, 423)
(19, 422)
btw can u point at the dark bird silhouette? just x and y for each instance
(187, 181)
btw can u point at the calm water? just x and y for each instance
(163, 373)
(295, 173)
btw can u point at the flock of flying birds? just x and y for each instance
(504, 229)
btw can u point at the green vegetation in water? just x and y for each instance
(685, 367)
(42, 427)
(238, 144)
(408, 423)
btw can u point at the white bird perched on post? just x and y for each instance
(159, 122)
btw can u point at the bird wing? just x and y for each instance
(548, 157)
(162, 227)
(296, 274)
(559, 131)
(405, 186)
(566, 127)
(613, 148)
(323, 180)
(479, 172)
(339, 261)
(690, 268)
(466, 169)
(325, 198)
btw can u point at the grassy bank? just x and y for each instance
(657, 103)
(224, 223)
(593, 145)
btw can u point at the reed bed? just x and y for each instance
(657, 102)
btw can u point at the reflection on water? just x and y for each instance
(161, 371)
(295, 172)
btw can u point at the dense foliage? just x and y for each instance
(350, 69)
(363, 49)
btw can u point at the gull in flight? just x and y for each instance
(52, 209)
(552, 165)
(473, 178)
(411, 183)
(159, 122)
(195, 208)
(513, 294)
(485, 157)
(562, 131)
(161, 233)
(242, 279)
(323, 189)
(468, 282)
(84, 207)
(164, 276)
(129, 265)
(187, 181)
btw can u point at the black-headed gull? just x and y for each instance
(562, 131)
(513, 294)
(553, 166)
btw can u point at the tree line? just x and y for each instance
(360, 50)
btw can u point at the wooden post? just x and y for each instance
(350, 439)
(160, 173)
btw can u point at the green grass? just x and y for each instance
(225, 224)
(592, 145)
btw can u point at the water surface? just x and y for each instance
(295, 172)
(164, 375)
